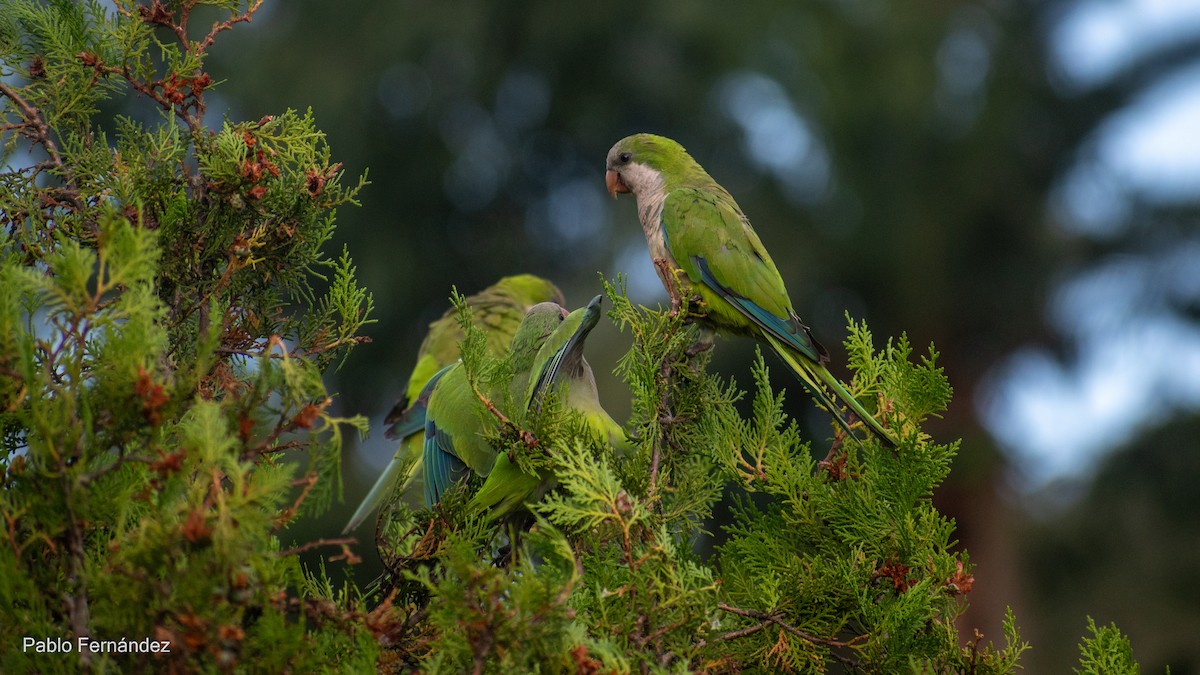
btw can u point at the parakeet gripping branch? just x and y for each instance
(702, 244)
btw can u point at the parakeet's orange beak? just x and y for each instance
(613, 180)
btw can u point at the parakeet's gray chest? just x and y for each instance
(650, 209)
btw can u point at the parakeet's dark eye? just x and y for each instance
(624, 157)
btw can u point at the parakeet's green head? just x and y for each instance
(527, 290)
(539, 324)
(561, 356)
(644, 162)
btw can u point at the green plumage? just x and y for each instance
(559, 365)
(702, 244)
(454, 442)
(497, 310)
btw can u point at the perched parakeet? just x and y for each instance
(701, 243)
(454, 443)
(498, 310)
(559, 365)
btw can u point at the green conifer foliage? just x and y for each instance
(1105, 651)
(161, 348)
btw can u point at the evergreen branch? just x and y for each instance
(40, 133)
(777, 619)
(221, 26)
(166, 92)
(99, 253)
(349, 556)
(158, 15)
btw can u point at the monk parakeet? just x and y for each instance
(702, 244)
(498, 310)
(453, 443)
(559, 366)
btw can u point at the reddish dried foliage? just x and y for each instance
(195, 529)
(152, 394)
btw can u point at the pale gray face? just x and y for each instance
(641, 178)
(623, 173)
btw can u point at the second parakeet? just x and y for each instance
(497, 310)
(454, 442)
(559, 366)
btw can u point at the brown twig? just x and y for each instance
(353, 340)
(33, 120)
(526, 437)
(665, 370)
(75, 593)
(735, 634)
(348, 555)
(221, 26)
(307, 484)
(776, 618)
(88, 478)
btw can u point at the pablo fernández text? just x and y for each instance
(84, 643)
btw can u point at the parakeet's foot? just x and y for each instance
(695, 310)
(705, 340)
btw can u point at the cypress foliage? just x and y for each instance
(161, 348)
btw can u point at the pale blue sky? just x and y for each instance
(1135, 360)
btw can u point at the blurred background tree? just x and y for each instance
(970, 172)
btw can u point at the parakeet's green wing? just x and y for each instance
(717, 249)
(452, 441)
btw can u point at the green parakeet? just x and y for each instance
(453, 441)
(498, 310)
(701, 243)
(559, 365)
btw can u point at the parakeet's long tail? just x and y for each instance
(408, 424)
(816, 378)
(382, 487)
